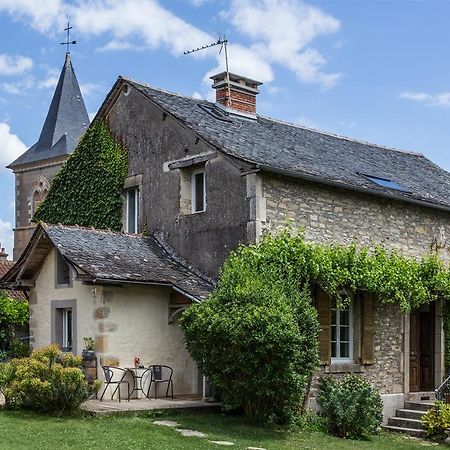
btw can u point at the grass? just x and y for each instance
(20, 430)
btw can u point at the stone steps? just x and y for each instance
(407, 420)
(408, 431)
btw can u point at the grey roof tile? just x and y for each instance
(106, 255)
(277, 146)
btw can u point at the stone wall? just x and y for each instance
(329, 214)
(24, 180)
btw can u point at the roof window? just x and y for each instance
(384, 182)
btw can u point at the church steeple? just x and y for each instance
(66, 121)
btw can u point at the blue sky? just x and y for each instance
(373, 70)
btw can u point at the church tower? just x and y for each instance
(66, 122)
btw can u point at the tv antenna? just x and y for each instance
(68, 42)
(223, 42)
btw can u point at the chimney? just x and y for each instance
(238, 95)
(3, 255)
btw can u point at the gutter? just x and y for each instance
(144, 283)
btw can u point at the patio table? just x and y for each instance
(138, 374)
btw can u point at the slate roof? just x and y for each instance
(275, 146)
(67, 120)
(102, 255)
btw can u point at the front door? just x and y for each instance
(422, 349)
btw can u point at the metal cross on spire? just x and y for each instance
(68, 42)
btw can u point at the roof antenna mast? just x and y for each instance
(222, 41)
(68, 42)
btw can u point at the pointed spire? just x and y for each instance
(67, 120)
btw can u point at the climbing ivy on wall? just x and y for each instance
(87, 191)
(338, 269)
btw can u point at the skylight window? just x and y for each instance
(383, 182)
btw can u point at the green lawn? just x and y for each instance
(20, 430)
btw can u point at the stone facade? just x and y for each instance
(154, 140)
(25, 179)
(328, 214)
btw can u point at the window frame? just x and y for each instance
(59, 336)
(194, 173)
(351, 330)
(59, 258)
(128, 191)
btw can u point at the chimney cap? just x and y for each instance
(234, 78)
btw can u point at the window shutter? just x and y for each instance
(367, 328)
(323, 309)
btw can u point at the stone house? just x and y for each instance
(208, 176)
(212, 175)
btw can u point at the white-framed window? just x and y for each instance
(341, 332)
(132, 210)
(66, 328)
(198, 191)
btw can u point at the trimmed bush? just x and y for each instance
(352, 407)
(256, 336)
(48, 380)
(436, 421)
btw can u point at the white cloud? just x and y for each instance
(116, 45)
(6, 237)
(287, 40)
(88, 89)
(137, 24)
(43, 14)
(14, 64)
(442, 99)
(11, 147)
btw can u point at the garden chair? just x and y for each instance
(115, 376)
(161, 374)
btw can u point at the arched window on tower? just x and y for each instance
(41, 187)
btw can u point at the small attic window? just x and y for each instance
(384, 182)
(215, 112)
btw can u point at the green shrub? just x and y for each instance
(13, 315)
(48, 380)
(352, 407)
(436, 420)
(256, 336)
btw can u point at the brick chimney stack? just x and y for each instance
(3, 255)
(242, 90)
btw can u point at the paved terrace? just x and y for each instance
(144, 404)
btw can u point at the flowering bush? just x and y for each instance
(48, 380)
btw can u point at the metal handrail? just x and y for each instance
(439, 392)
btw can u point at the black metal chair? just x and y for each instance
(116, 376)
(161, 374)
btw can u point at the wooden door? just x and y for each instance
(421, 359)
(414, 355)
(426, 347)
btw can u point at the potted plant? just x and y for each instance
(89, 346)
